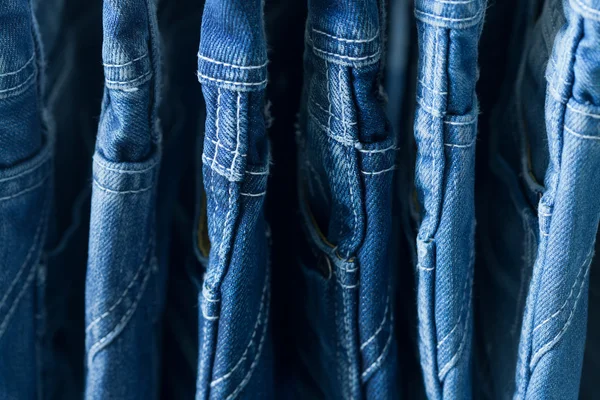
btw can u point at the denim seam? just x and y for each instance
(121, 325)
(27, 190)
(236, 153)
(16, 302)
(259, 318)
(581, 136)
(381, 325)
(20, 69)
(33, 168)
(121, 192)
(108, 312)
(474, 20)
(24, 85)
(571, 292)
(553, 342)
(384, 352)
(202, 76)
(375, 56)
(393, 147)
(107, 65)
(587, 114)
(341, 39)
(145, 77)
(253, 194)
(254, 364)
(222, 147)
(371, 173)
(31, 250)
(455, 1)
(217, 128)
(211, 60)
(351, 123)
(424, 85)
(329, 133)
(460, 312)
(450, 364)
(460, 146)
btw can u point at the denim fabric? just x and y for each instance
(445, 132)
(25, 199)
(123, 283)
(554, 324)
(235, 357)
(346, 162)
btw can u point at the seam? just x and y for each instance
(246, 379)
(595, 116)
(557, 95)
(129, 286)
(29, 189)
(425, 268)
(110, 336)
(201, 76)
(377, 363)
(390, 148)
(125, 64)
(571, 292)
(380, 172)
(104, 189)
(579, 135)
(37, 165)
(139, 78)
(439, 17)
(455, 1)
(341, 39)
(431, 89)
(331, 115)
(200, 56)
(259, 318)
(353, 228)
(20, 69)
(460, 146)
(459, 123)
(221, 252)
(266, 172)
(217, 127)
(24, 265)
(381, 325)
(16, 302)
(450, 364)
(548, 346)
(329, 133)
(460, 312)
(349, 58)
(123, 171)
(428, 109)
(222, 147)
(236, 153)
(25, 82)
(347, 286)
(253, 194)
(221, 170)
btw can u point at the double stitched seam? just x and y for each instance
(122, 324)
(202, 76)
(578, 111)
(123, 171)
(377, 363)
(373, 58)
(343, 122)
(259, 320)
(460, 312)
(39, 164)
(581, 136)
(379, 360)
(127, 63)
(121, 192)
(107, 313)
(237, 139)
(20, 69)
(27, 190)
(24, 85)
(254, 364)
(140, 79)
(38, 234)
(341, 39)
(211, 60)
(554, 341)
(421, 15)
(571, 292)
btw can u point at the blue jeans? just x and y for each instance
(235, 355)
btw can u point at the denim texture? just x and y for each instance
(25, 198)
(445, 132)
(235, 346)
(346, 160)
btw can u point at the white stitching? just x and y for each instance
(125, 64)
(254, 194)
(229, 373)
(17, 300)
(439, 17)
(246, 379)
(548, 346)
(329, 133)
(110, 336)
(201, 76)
(377, 363)
(217, 127)
(595, 116)
(331, 115)
(471, 122)
(341, 39)
(380, 172)
(460, 312)
(139, 78)
(25, 82)
(560, 310)
(29, 189)
(579, 135)
(116, 304)
(594, 12)
(381, 325)
(232, 65)
(123, 171)
(390, 148)
(431, 89)
(104, 189)
(376, 54)
(20, 69)
(460, 146)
